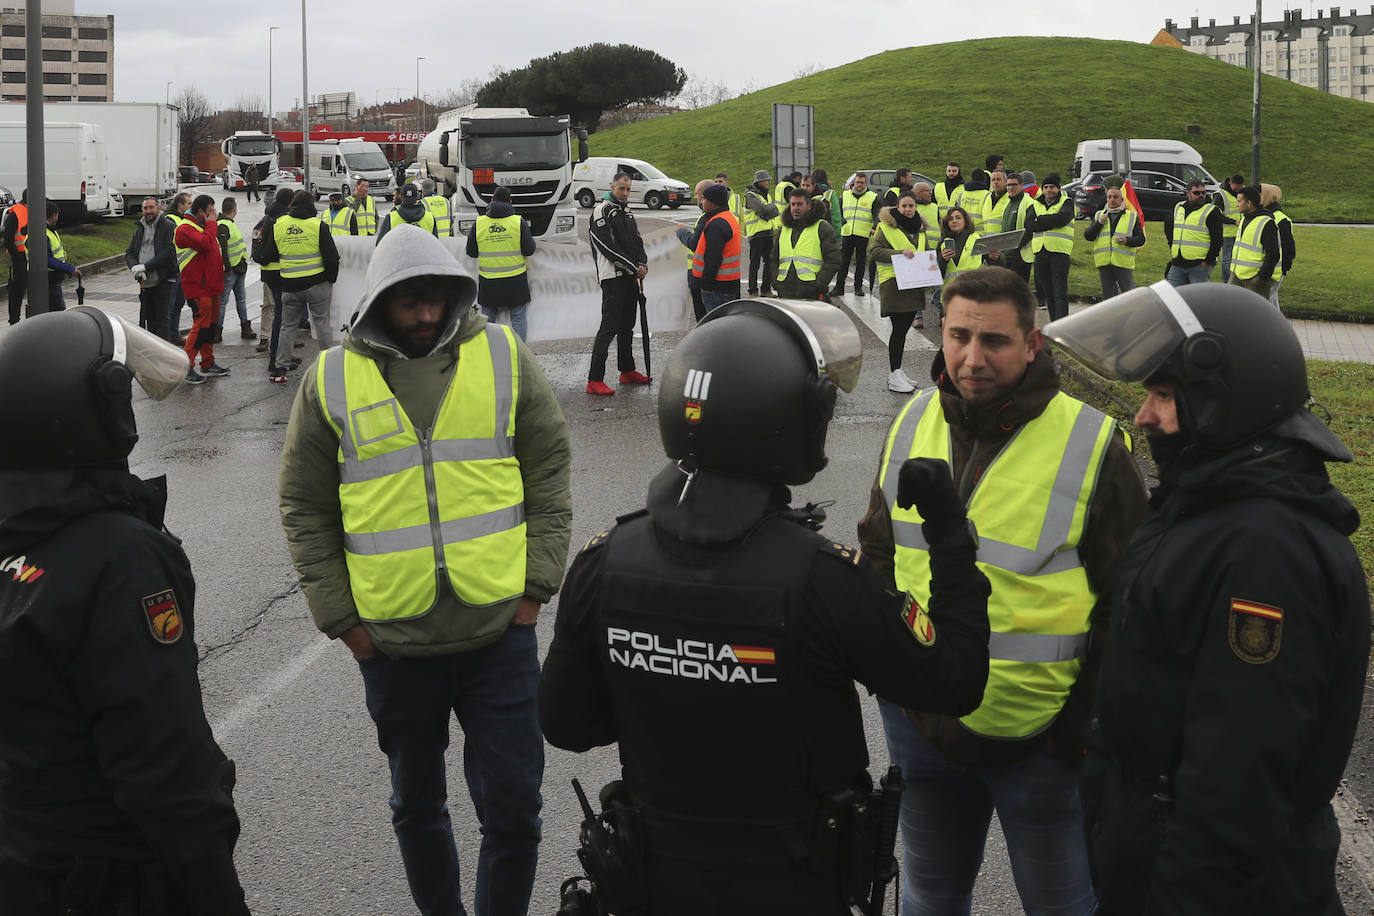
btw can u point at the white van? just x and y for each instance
(335, 165)
(592, 179)
(1172, 157)
(76, 166)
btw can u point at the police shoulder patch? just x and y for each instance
(918, 621)
(596, 540)
(163, 616)
(850, 555)
(1254, 630)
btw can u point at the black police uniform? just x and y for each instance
(114, 797)
(1230, 692)
(718, 641)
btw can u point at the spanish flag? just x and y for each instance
(1128, 191)
(755, 655)
(1244, 606)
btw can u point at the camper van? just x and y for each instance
(336, 164)
(1172, 157)
(592, 179)
(77, 170)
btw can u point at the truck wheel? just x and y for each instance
(586, 198)
(652, 200)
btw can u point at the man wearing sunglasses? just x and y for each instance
(1194, 232)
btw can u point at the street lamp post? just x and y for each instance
(169, 92)
(419, 105)
(270, 30)
(305, 103)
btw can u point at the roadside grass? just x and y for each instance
(94, 241)
(925, 106)
(1344, 389)
(1331, 275)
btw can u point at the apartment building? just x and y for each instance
(78, 54)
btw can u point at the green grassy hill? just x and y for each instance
(1031, 99)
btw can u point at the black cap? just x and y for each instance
(335, 196)
(410, 194)
(1051, 178)
(717, 194)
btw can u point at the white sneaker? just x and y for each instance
(898, 382)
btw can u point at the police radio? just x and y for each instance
(609, 855)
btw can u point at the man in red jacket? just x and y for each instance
(202, 279)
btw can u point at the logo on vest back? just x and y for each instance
(294, 230)
(693, 659)
(495, 229)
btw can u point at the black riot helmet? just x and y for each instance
(68, 378)
(1235, 363)
(751, 390)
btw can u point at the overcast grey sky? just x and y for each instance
(370, 46)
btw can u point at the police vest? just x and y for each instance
(716, 644)
(235, 247)
(1192, 240)
(184, 255)
(454, 494)
(298, 245)
(898, 241)
(972, 202)
(857, 210)
(498, 246)
(730, 257)
(1056, 241)
(1106, 251)
(21, 229)
(930, 215)
(438, 208)
(340, 221)
(994, 219)
(805, 256)
(1248, 256)
(365, 208)
(943, 199)
(1030, 508)
(425, 222)
(967, 260)
(55, 248)
(1231, 211)
(753, 223)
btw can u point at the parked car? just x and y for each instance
(1158, 192)
(881, 179)
(189, 174)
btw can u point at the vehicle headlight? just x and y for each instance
(565, 223)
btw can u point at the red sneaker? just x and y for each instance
(634, 377)
(600, 388)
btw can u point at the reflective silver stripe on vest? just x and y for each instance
(798, 259)
(1039, 648)
(419, 537)
(1019, 560)
(413, 457)
(1073, 469)
(1056, 234)
(901, 448)
(501, 369)
(483, 259)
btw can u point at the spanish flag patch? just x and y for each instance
(922, 627)
(1255, 630)
(755, 655)
(163, 615)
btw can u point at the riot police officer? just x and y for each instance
(716, 636)
(1234, 674)
(114, 797)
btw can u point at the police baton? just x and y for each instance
(884, 859)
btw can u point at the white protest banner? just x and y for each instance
(565, 295)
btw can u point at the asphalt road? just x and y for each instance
(287, 704)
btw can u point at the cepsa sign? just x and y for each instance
(412, 137)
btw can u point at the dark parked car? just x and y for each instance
(881, 179)
(1159, 193)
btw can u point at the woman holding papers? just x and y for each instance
(901, 233)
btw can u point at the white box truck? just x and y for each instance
(335, 165)
(75, 163)
(1172, 157)
(142, 142)
(648, 185)
(473, 150)
(245, 148)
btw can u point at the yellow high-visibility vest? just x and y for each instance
(1230, 211)
(972, 202)
(898, 242)
(235, 247)
(930, 215)
(298, 244)
(1059, 241)
(438, 208)
(805, 255)
(184, 255)
(446, 506)
(366, 210)
(857, 210)
(340, 221)
(967, 260)
(1248, 256)
(993, 214)
(1030, 509)
(394, 218)
(1106, 250)
(943, 199)
(498, 247)
(753, 223)
(1191, 238)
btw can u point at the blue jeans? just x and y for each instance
(946, 811)
(274, 286)
(55, 301)
(174, 311)
(1227, 245)
(492, 691)
(517, 317)
(233, 283)
(1199, 272)
(713, 299)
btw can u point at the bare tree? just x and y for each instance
(245, 115)
(699, 92)
(196, 118)
(806, 70)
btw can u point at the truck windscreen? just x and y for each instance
(369, 161)
(255, 146)
(548, 152)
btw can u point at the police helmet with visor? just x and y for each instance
(76, 369)
(751, 390)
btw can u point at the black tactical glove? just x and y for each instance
(926, 483)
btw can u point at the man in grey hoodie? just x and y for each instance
(453, 447)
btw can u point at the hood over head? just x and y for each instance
(404, 253)
(500, 209)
